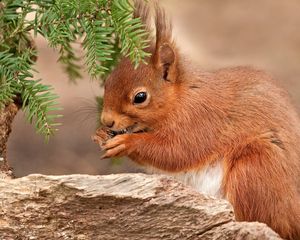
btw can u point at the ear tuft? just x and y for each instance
(142, 11)
(164, 57)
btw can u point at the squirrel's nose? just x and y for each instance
(107, 121)
(109, 124)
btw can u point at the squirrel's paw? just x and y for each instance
(116, 146)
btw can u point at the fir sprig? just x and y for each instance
(133, 36)
(38, 100)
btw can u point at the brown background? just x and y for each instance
(213, 33)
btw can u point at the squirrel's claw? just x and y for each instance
(113, 142)
(114, 152)
(115, 147)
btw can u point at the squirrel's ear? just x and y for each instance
(165, 56)
(165, 61)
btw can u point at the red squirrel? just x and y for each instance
(231, 133)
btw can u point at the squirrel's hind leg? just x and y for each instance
(258, 185)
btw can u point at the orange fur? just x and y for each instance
(235, 115)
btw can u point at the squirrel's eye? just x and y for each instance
(140, 97)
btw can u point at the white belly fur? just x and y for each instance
(207, 180)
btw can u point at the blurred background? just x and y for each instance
(213, 33)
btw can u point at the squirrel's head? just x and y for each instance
(138, 99)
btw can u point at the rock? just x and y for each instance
(122, 206)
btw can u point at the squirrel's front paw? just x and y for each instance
(117, 146)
